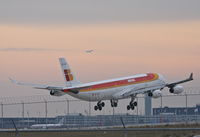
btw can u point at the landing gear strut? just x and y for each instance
(99, 106)
(113, 103)
(132, 104)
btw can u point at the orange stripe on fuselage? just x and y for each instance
(148, 78)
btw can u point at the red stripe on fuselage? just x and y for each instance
(137, 80)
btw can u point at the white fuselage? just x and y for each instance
(122, 91)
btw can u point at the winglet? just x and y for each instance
(13, 81)
(191, 76)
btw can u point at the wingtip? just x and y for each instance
(12, 80)
(191, 76)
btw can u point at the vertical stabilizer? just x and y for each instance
(69, 77)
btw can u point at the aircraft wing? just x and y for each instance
(179, 82)
(74, 89)
(127, 92)
(37, 86)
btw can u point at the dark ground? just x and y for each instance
(106, 134)
(158, 131)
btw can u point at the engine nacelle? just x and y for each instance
(177, 89)
(52, 92)
(56, 93)
(156, 93)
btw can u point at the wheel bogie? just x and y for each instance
(114, 103)
(132, 104)
(99, 106)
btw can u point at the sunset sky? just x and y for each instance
(128, 37)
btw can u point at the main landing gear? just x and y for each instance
(113, 103)
(99, 106)
(132, 104)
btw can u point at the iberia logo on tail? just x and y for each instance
(68, 75)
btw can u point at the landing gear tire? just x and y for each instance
(102, 104)
(100, 108)
(95, 108)
(135, 103)
(132, 107)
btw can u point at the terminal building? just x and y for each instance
(177, 110)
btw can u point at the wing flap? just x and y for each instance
(76, 89)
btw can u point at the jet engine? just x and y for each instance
(56, 93)
(176, 90)
(156, 93)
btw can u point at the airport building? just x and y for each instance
(98, 121)
(177, 110)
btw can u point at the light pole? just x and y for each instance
(23, 113)
(67, 106)
(2, 115)
(28, 118)
(46, 111)
(89, 108)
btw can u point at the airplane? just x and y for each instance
(89, 51)
(151, 84)
(59, 124)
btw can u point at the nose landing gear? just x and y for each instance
(99, 106)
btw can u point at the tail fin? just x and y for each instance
(68, 75)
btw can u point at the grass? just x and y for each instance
(106, 134)
(153, 133)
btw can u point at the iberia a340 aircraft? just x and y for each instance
(114, 89)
